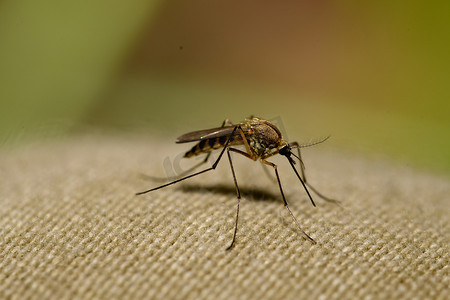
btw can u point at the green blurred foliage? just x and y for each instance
(374, 75)
(57, 59)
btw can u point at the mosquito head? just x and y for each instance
(285, 150)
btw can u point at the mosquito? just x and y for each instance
(262, 139)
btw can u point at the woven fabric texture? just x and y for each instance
(71, 227)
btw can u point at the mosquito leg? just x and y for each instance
(163, 179)
(269, 175)
(243, 153)
(302, 169)
(198, 173)
(237, 188)
(285, 202)
(238, 199)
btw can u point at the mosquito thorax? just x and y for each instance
(264, 137)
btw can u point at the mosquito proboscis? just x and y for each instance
(261, 139)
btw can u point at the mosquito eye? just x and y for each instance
(284, 151)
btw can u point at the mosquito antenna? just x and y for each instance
(310, 144)
(298, 175)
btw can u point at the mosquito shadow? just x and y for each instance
(256, 194)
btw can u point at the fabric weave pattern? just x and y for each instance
(71, 227)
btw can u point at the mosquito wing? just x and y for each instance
(206, 134)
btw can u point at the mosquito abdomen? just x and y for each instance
(207, 145)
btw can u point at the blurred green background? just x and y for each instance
(373, 75)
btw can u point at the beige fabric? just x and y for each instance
(71, 227)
